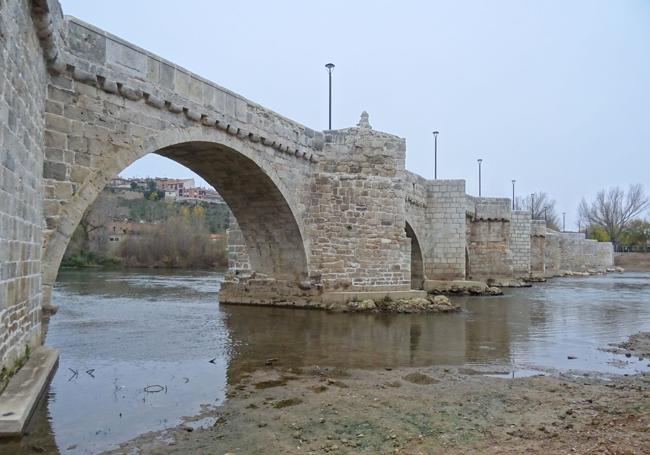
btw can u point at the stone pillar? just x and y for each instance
(444, 250)
(604, 255)
(571, 254)
(537, 249)
(238, 260)
(356, 213)
(23, 81)
(489, 248)
(589, 254)
(552, 254)
(520, 224)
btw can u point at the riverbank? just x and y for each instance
(416, 410)
(633, 262)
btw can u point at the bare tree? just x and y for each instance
(613, 209)
(541, 207)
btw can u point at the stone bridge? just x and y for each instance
(320, 215)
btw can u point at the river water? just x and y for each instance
(119, 332)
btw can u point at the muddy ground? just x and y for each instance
(417, 411)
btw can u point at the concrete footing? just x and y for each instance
(19, 399)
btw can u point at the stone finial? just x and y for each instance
(363, 122)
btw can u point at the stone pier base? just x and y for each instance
(19, 399)
(268, 291)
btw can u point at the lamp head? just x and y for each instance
(330, 67)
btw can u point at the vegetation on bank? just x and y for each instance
(160, 233)
(7, 372)
(614, 216)
(183, 241)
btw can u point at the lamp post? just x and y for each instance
(435, 155)
(479, 176)
(513, 194)
(563, 221)
(330, 68)
(532, 206)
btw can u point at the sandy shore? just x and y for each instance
(417, 411)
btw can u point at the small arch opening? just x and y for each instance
(417, 264)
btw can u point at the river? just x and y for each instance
(121, 333)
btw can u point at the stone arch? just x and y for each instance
(268, 214)
(417, 261)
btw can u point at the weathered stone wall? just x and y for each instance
(23, 80)
(417, 228)
(490, 257)
(444, 248)
(571, 253)
(238, 260)
(552, 254)
(538, 248)
(356, 212)
(520, 230)
(589, 253)
(604, 255)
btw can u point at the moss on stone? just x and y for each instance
(7, 373)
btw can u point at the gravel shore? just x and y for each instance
(417, 411)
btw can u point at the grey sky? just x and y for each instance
(555, 94)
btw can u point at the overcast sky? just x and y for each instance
(554, 94)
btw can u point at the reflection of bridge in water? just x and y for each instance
(304, 338)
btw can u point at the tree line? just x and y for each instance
(613, 215)
(162, 234)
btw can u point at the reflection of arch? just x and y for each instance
(417, 264)
(253, 190)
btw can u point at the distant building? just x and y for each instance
(186, 194)
(119, 182)
(166, 184)
(213, 197)
(176, 190)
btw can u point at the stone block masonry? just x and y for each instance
(239, 262)
(444, 243)
(520, 243)
(489, 253)
(23, 83)
(356, 212)
(538, 233)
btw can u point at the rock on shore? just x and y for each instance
(431, 304)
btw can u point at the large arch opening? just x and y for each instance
(140, 307)
(270, 230)
(417, 264)
(254, 194)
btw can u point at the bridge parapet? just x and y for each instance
(100, 59)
